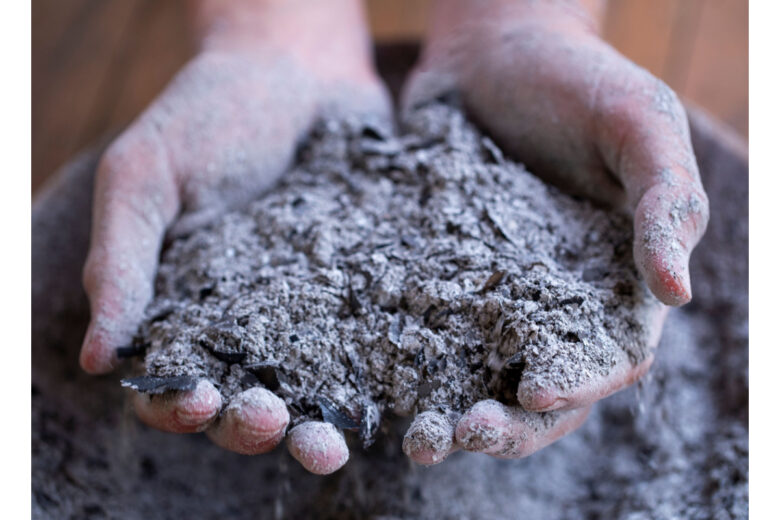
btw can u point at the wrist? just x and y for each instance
(450, 17)
(328, 37)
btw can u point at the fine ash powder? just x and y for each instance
(674, 446)
(398, 273)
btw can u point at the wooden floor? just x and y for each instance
(97, 63)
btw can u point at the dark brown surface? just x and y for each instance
(95, 65)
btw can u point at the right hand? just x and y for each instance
(559, 99)
(222, 132)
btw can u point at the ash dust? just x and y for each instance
(674, 447)
(400, 274)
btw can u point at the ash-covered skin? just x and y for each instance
(406, 273)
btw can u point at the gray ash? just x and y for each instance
(400, 273)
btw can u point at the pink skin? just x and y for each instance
(510, 432)
(623, 374)
(223, 131)
(184, 412)
(253, 423)
(537, 77)
(319, 447)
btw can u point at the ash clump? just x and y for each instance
(399, 273)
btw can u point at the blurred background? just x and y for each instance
(97, 63)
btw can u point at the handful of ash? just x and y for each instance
(397, 273)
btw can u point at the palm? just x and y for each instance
(224, 130)
(588, 120)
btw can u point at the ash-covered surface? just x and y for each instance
(406, 273)
(677, 447)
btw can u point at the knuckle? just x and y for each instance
(618, 118)
(118, 154)
(666, 102)
(138, 155)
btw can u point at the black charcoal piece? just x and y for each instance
(331, 414)
(576, 300)
(493, 282)
(229, 357)
(159, 385)
(516, 362)
(266, 373)
(131, 351)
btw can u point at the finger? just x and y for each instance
(429, 440)
(668, 223)
(511, 432)
(535, 399)
(135, 199)
(179, 412)
(254, 422)
(318, 446)
(646, 142)
(626, 371)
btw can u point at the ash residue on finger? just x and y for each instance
(400, 273)
(430, 435)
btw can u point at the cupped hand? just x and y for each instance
(223, 131)
(537, 77)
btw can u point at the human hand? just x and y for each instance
(223, 131)
(538, 78)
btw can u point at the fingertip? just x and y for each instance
(625, 373)
(483, 427)
(254, 422)
(96, 356)
(198, 408)
(669, 222)
(429, 439)
(180, 412)
(666, 274)
(510, 432)
(319, 447)
(260, 411)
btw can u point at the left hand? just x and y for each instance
(539, 79)
(222, 132)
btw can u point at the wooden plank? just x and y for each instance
(156, 45)
(718, 70)
(154, 57)
(394, 20)
(680, 51)
(64, 106)
(642, 30)
(56, 26)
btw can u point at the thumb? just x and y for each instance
(135, 200)
(435, 75)
(654, 160)
(669, 220)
